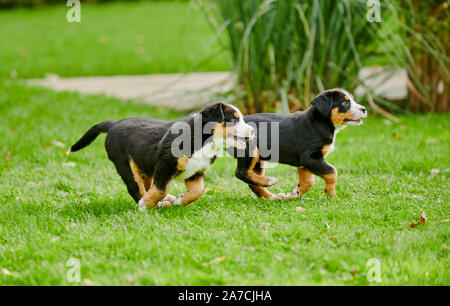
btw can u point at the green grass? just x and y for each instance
(115, 38)
(54, 207)
(384, 185)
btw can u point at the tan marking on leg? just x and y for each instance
(182, 162)
(339, 118)
(137, 175)
(154, 195)
(305, 180)
(255, 159)
(259, 180)
(195, 189)
(261, 192)
(330, 182)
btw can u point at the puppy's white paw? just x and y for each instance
(178, 199)
(169, 198)
(141, 205)
(295, 193)
(164, 203)
(272, 181)
(167, 201)
(278, 196)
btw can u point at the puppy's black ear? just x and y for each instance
(323, 103)
(213, 113)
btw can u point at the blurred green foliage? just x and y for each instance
(37, 3)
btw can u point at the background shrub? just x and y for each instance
(37, 3)
(286, 51)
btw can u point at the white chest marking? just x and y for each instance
(336, 130)
(200, 160)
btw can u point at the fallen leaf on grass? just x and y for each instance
(397, 137)
(354, 272)
(445, 247)
(47, 144)
(299, 208)
(446, 220)
(58, 143)
(8, 156)
(9, 273)
(217, 260)
(130, 280)
(422, 220)
(332, 238)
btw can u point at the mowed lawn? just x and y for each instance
(114, 38)
(54, 208)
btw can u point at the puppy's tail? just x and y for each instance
(90, 135)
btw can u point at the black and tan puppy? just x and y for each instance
(149, 153)
(304, 140)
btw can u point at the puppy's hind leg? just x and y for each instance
(157, 192)
(262, 192)
(124, 169)
(245, 172)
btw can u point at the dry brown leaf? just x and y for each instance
(217, 260)
(8, 156)
(354, 272)
(397, 137)
(332, 238)
(422, 220)
(299, 208)
(47, 144)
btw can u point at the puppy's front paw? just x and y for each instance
(178, 200)
(278, 196)
(271, 181)
(141, 205)
(294, 194)
(167, 201)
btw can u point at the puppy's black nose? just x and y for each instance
(363, 110)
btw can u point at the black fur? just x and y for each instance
(302, 136)
(148, 143)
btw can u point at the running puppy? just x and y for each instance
(305, 139)
(146, 152)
